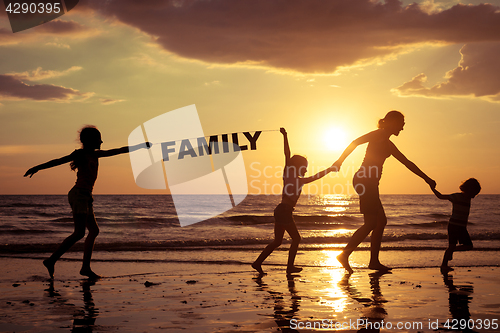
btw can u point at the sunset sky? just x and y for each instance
(324, 70)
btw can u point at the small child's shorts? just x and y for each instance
(458, 234)
(80, 201)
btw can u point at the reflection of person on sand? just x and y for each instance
(373, 311)
(366, 181)
(459, 298)
(84, 160)
(86, 323)
(282, 314)
(293, 180)
(457, 225)
(83, 320)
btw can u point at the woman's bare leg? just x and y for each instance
(370, 222)
(376, 241)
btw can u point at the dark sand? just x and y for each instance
(182, 297)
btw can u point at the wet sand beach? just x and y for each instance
(204, 297)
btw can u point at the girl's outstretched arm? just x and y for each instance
(122, 150)
(49, 164)
(286, 146)
(412, 166)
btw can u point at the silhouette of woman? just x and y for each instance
(86, 161)
(366, 181)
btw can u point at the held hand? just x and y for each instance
(283, 130)
(149, 145)
(431, 183)
(31, 172)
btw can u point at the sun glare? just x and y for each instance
(335, 139)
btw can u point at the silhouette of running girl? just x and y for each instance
(86, 162)
(293, 180)
(366, 181)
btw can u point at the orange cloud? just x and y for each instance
(60, 27)
(476, 75)
(40, 74)
(12, 88)
(55, 28)
(109, 101)
(313, 36)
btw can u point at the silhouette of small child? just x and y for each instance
(86, 162)
(293, 180)
(457, 226)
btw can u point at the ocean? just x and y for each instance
(145, 228)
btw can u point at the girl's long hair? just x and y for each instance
(86, 134)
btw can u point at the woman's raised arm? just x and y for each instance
(359, 141)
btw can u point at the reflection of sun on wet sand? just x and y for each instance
(194, 297)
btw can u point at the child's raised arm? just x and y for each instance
(286, 146)
(49, 164)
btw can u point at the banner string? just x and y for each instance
(208, 136)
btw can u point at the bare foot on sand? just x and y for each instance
(50, 267)
(293, 269)
(89, 273)
(378, 267)
(344, 261)
(258, 268)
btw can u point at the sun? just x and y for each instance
(335, 139)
